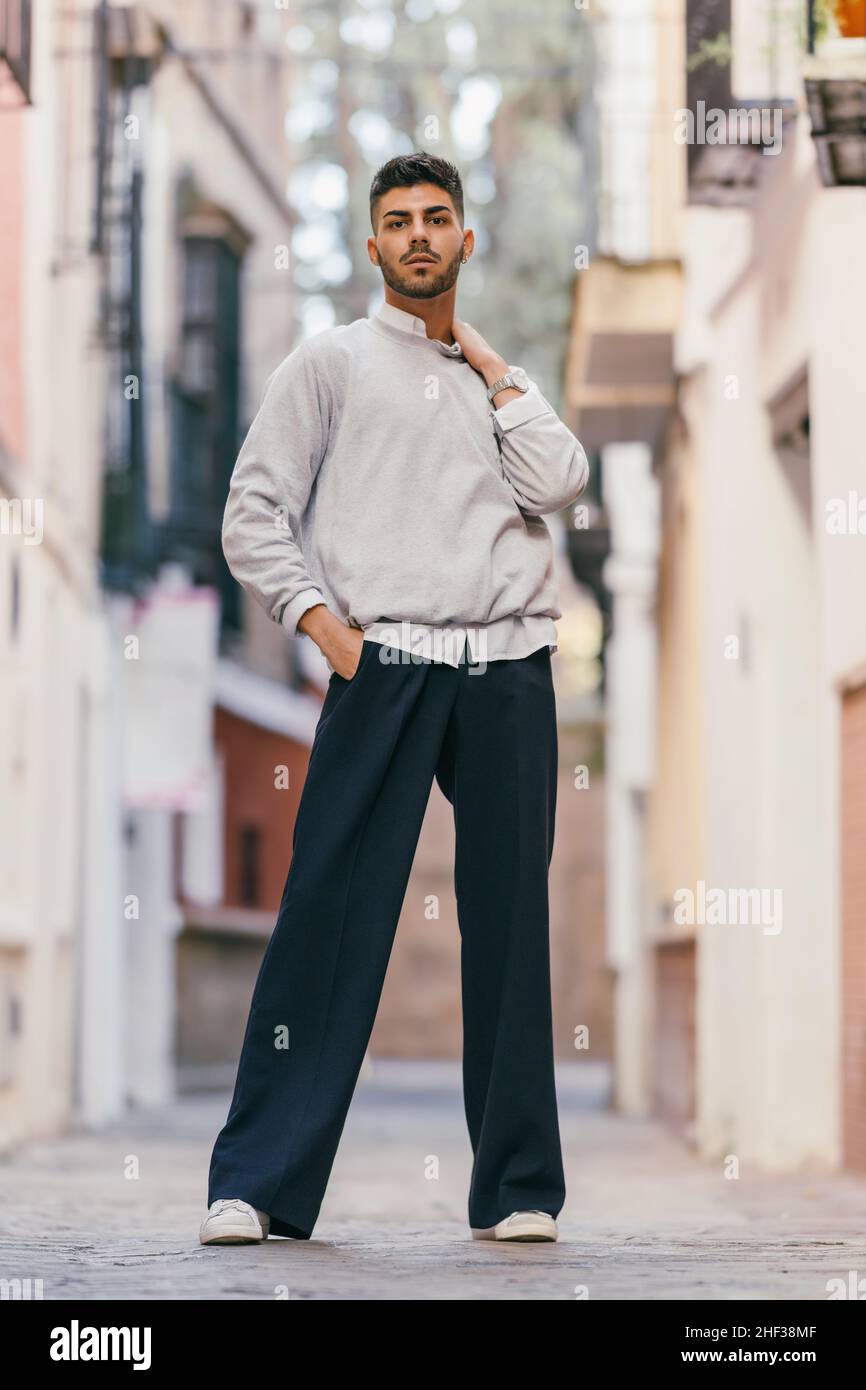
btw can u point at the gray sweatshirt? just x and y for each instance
(377, 478)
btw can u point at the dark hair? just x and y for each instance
(407, 169)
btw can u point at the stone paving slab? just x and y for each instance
(643, 1220)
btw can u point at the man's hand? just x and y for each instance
(480, 355)
(340, 643)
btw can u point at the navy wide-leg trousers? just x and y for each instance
(487, 732)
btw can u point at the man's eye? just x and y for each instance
(398, 222)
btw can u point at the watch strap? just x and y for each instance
(502, 384)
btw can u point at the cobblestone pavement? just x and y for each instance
(644, 1219)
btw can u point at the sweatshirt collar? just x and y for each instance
(390, 317)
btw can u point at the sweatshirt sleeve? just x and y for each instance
(543, 463)
(269, 488)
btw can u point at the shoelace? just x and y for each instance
(223, 1202)
(534, 1211)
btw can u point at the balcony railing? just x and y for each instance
(835, 81)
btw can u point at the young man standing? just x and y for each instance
(387, 502)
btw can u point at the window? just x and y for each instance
(206, 386)
(205, 413)
(250, 864)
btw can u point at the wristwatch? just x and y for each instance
(515, 376)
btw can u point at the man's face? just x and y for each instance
(420, 220)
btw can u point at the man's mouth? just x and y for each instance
(421, 260)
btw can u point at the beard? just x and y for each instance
(436, 280)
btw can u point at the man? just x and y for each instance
(387, 503)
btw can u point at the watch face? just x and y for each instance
(521, 380)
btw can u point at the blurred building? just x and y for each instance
(770, 419)
(620, 399)
(145, 237)
(58, 778)
(202, 261)
(737, 911)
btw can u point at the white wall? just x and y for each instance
(768, 1045)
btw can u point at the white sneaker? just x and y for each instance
(231, 1221)
(520, 1225)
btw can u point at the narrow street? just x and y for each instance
(643, 1219)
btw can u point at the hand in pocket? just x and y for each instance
(345, 652)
